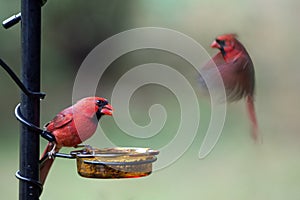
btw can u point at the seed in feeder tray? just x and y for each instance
(112, 163)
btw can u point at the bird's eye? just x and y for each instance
(101, 103)
(220, 42)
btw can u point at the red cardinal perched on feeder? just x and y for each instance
(237, 71)
(72, 126)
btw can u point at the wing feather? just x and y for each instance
(60, 120)
(238, 76)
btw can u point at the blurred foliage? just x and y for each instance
(236, 169)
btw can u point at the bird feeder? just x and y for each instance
(117, 162)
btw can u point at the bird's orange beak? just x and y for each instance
(107, 110)
(215, 45)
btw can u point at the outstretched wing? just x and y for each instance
(237, 75)
(238, 78)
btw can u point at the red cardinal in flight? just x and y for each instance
(237, 71)
(73, 126)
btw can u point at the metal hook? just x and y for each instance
(19, 82)
(35, 182)
(45, 134)
(13, 20)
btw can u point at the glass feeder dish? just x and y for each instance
(118, 162)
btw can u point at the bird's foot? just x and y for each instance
(52, 152)
(86, 146)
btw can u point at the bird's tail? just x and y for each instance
(252, 117)
(46, 162)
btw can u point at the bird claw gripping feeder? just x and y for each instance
(118, 162)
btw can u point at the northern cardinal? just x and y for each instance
(237, 71)
(72, 126)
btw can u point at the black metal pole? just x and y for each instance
(30, 106)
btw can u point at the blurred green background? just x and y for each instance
(237, 168)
